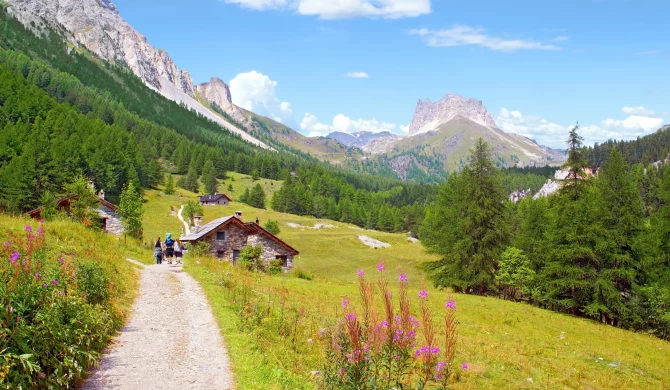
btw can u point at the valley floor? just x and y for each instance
(171, 341)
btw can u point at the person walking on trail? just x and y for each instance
(178, 252)
(158, 251)
(169, 247)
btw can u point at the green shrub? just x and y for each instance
(275, 267)
(93, 282)
(251, 260)
(272, 227)
(300, 274)
(198, 249)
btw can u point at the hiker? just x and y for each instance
(178, 252)
(169, 247)
(158, 251)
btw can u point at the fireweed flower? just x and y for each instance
(54, 282)
(8, 244)
(45, 285)
(29, 228)
(360, 272)
(464, 366)
(381, 267)
(451, 305)
(423, 294)
(440, 366)
(15, 256)
(40, 231)
(402, 278)
(345, 303)
(350, 317)
(60, 260)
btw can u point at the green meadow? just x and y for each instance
(505, 344)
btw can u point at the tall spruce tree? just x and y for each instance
(567, 279)
(468, 226)
(209, 178)
(620, 214)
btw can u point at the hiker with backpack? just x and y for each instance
(169, 247)
(178, 253)
(158, 251)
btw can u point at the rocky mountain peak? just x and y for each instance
(217, 92)
(428, 116)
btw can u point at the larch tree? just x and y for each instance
(208, 178)
(131, 211)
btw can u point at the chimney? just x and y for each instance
(101, 194)
(238, 214)
(197, 220)
(257, 222)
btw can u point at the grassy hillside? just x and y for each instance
(504, 343)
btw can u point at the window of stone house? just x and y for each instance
(220, 236)
(284, 260)
(219, 254)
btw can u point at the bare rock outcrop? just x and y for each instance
(372, 243)
(428, 116)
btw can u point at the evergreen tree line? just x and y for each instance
(599, 248)
(644, 150)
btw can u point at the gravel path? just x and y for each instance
(187, 228)
(171, 341)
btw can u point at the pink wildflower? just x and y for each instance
(54, 282)
(402, 278)
(29, 228)
(345, 303)
(423, 294)
(465, 366)
(451, 305)
(381, 267)
(8, 244)
(15, 256)
(440, 366)
(360, 272)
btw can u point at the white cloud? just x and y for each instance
(343, 9)
(465, 35)
(404, 129)
(554, 135)
(357, 75)
(649, 52)
(561, 38)
(255, 91)
(344, 124)
(639, 110)
(259, 4)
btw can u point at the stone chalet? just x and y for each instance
(228, 235)
(109, 216)
(215, 199)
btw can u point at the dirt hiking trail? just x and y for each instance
(171, 341)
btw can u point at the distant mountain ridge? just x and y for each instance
(359, 139)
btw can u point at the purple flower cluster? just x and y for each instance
(451, 305)
(428, 351)
(381, 267)
(423, 294)
(345, 303)
(14, 257)
(29, 229)
(360, 272)
(402, 278)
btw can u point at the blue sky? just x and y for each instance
(538, 66)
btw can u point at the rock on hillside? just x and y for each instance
(429, 116)
(217, 92)
(98, 26)
(372, 243)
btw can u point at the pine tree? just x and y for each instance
(567, 279)
(468, 226)
(190, 181)
(620, 214)
(257, 197)
(230, 187)
(209, 178)
(169, 185)
(83, 201)
(246, 197)
(131, 211)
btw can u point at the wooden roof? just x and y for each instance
(214, 198)
(60, 202)
(251, 228)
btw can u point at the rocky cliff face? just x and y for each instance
(98, 26)
(361, 139)
(428, 116)
(217, 92)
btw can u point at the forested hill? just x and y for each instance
(645, 150)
